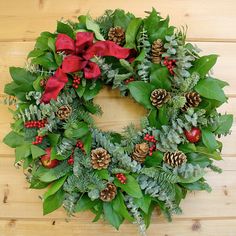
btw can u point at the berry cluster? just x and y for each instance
(151, 139)
(131, 79)
(76, 82)
(79, 145)
(38, 140)
(170, 64)
(121, 177)
(35, 123)
(70, 161)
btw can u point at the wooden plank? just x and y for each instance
(18, 201)
(35, 16)
(14, 54)
(14, 227)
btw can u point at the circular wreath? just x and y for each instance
(117, 175)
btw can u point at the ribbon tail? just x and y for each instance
(54, 85)
(92, 70)
(72, 64)
(106, 48)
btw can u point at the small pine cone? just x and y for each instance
(64, 112)
(140, 152)
(109, 193)
(117, 35)
(174, 158)
(157, 48)
(43, 82)
(159, 97)
(100, 158)
(192, 100)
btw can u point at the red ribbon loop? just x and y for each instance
(80, 52)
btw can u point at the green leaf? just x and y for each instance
(199, 159)
(199, 185)
(208, 139)
(78, 132)
(192, 178)
(152, 118)
(65, 29)
(111, 216)
(22, 152)
(36, 83)
(131, 187)
(187, 147)
(162, 115)
(53, 202)
(203, 65)
(120, 207)
(36, 151)
(87, 141)
(37, 184)
(225, 123)
(154, 160)
(84, 203)
(141, 91)
(91, 93)
(13, 139)
(54, 155)
(160, 77)
(35, 53)
(56, 185)
(214, 155)
(80, 91)
(53, 138)
(47, 61)
(209, 88)
(143, 203)
(91, 25)
(121, 18)
(131, 32)
(102, 174)
(126, 65)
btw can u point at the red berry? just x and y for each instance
(193, 135)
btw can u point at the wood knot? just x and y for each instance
(41, 3)
(5, 193)
(225, 190)
(196, 225)
(12, 223)
(54, 222)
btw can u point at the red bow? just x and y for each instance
(79, 52)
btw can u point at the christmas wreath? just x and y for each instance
(118, 176)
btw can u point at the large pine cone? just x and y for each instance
(157, 48)
(159, 97)
(140, 152)
(174, 158)
(117, 35)
(100, 158)
(192, 100)
(64, 112)
(109, 193)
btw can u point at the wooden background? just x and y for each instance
(211, 26)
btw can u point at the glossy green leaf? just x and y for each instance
(208, 139)
(209, 88)
(54, 187)
(111, 216)
(37, 184)
(187, 147)
(93, 26)
(102, 174)
(121, 18)
(84, 203)
(65, 29)
(214, 155)
(36, 151)
(144, 203)
(53, 138)
(22, 152)
(90, 93)
(225, 123)
(204, 64)
(154, 160)
(13, 139)
(53, 202)
(141, 91)
(131, 187)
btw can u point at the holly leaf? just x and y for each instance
(111, 216)
(36, 151)
(209, 88)
(53, 202)
(131, 187)
(141, 91)
(204, 64)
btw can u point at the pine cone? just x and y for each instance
(43, 82)
(157, 48)
(109, 193)
(100, 158)
(117, 35)
(174, 158)
(192, 100)
(159, 97)
(64, 112)
(140, 152)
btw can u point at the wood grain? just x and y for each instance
(29, 18)
(211, 26)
